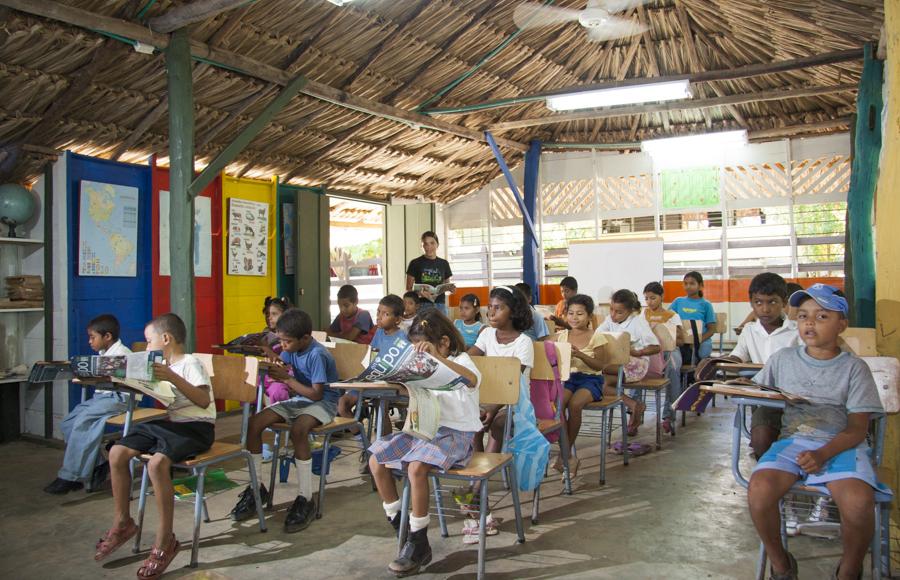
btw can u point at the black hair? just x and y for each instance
(520, 312)
(525, 287)
(569, 282)
(430, 234)
(283, 303)
(626, 298)
(170, 324)
(474, 301)
(583, 300)
(432, 325)
(295, 323)
(769, 283)
(698, 278)
(793, 287)
(654, 288)
(105, 324)
(348, 292)
(412, 295)
(394, 303)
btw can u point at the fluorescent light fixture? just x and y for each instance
(340, 2)
(693, 143)
(652, 92)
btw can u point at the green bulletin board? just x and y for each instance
(689, 188)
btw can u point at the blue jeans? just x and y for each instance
(83, 430)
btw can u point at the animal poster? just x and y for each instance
(248, 237)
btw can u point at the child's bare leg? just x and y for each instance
(120, 476)
(160, 474)
(575, 406)
(384, 481)
(417, 472)
(766, 488)
(497, 432)
(259, 423)
(855, 500)
(300, 430)
(478, 443)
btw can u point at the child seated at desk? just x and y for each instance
(770, 332)
(410, 309)
(84, 426)
(188, 431)
(823, 442)
(469, 323)
(452, 446)
(314, 404)
(656, 314)
(538, 330)
(568, 287)
(276, 391)
(695, 307)
(352, 322)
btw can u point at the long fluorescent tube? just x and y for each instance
(668, 91)
(691, 144)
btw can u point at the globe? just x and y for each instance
(17, 206)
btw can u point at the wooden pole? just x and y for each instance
(181, 173)
(680, 105)
(196, 11)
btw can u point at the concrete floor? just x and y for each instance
(674, 514)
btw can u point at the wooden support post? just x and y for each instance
(181, 163)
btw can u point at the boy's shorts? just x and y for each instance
(289, 410)
(177, 441)
(853, 463)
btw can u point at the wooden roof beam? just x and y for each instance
(191, 12)
(680, 105)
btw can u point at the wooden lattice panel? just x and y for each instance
(821, 176)
(503, 204)
(762, 181)
(627, 192)
(567, 197)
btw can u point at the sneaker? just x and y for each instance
(245, 508)
(267, 454)
(820, 510)
(301, 514)
(63, 486)
(99, 477)
(471, 529)
(791, 524)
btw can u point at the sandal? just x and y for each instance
(156, 563)
(112, 539)
(573, 469)
(667, 426)
(638, 449)
(618, 448)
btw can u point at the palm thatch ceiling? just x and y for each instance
(64, 86)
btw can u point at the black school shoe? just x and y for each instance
(99, 477)
(63, 486)
(414, 555)
(301, 514)
(245, 508)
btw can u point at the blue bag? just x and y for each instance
(530, 449)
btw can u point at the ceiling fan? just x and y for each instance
(598, 18)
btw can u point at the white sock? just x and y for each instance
(416, 524)
(304, 477)
(391, 509)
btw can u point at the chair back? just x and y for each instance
(666, 336)
(138, 346)
(500, 376)
(721, 322)
(348, 356)
(232, 377)
(886, 372)
(860, 341)
(542, 369)
(320, 336)
(617, 350)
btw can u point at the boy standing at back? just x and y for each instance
(823, 441)
(84, 426)
(352, 322)
(770, 332)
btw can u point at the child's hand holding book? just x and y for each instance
(162, 372)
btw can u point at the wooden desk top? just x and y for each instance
(737, 367)
(743, 391)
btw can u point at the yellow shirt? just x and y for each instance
(578, 365)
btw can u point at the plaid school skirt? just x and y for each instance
(449, 448)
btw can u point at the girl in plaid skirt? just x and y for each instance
(451, 447)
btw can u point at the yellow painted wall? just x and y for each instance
(887, 257)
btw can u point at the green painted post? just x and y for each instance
(181, 163)
(861, 197)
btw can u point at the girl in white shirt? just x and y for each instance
(509, 316)
(452, 446)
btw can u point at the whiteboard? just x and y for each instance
(604, 266)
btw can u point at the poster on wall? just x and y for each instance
(288, 213)
(248, 235)
(689, 188)
(107, 230)
(202, 236)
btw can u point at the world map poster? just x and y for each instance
(107, 230)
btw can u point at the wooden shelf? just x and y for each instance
(41, 309)
(21, 241)
(14, 379)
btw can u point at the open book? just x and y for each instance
(697, 396)
(435, 290)
(245, 344)
(421, 374)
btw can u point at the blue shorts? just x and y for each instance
(853, 463)
(593, 383)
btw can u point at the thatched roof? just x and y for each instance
(65, 87)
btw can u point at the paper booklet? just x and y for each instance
(696, 399)
(422, 375)
(134, 371)
(245, 344)
(435, 290)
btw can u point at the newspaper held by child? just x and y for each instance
(421, 374)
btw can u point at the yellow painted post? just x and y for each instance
(243, 296)
(887, 288)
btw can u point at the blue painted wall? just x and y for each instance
(129, 299)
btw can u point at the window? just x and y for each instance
(357, 245)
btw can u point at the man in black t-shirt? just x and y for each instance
(429, 269)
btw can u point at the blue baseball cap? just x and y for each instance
(825, 295)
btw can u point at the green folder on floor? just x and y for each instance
(215, 481)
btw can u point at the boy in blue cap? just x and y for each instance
(823, 440)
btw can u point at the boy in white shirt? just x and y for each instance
(83, 427)
(769, 333)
